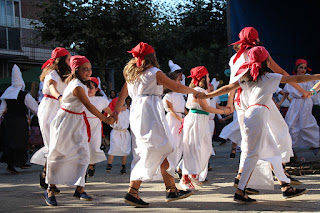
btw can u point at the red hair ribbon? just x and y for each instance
(56, 53)
(248, 37)
(256, 55)
(140, 51)
(197, 73)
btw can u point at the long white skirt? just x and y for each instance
(48, 109)
(151, 138)
(175, 157)
(96, 154)
(232, 131)
(69, 154)
(197, 143)
(120, 143)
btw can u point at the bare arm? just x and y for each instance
(223, 90)
(284, 97)
(162, 79)
(81, 95)
(173, 113)
(122, 97)
(277, 69)
(299, 78)
(52, 84)
(204, 105)
(108, 110)
(317, 86)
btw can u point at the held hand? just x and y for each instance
(109, 120)
(231, 107)
(116, 116)
(306, 94)
(227, 111)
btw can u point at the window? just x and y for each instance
(3, 38)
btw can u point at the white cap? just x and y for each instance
(173, 66)
(17, 84)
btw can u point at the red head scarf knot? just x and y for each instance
(76, 61)
(197, 73)
(256, 55)
(56, 53)
(302, 61)
(248, 37)
(95, 80)
(140, 51)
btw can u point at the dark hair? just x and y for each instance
(173, 76)
(60, 65)
(74, 75)
(202, 83)
(264, 69)
(88, 84)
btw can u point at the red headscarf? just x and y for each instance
(302, 61)
(140, 51)
(95, 80)
(56, 53)
(112, 104)
(77, 61)
(197, 73)
(248, 37)
(256, 55)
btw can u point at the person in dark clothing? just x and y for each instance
(14, 108)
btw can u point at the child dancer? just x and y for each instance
(257, 86)
(303, 127)
(101, 103)
(53, 77)
(197, 140)
(120, 139)
(174, 104)
(152, 140)
(70, 133)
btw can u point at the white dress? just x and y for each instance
(120, 139)
(258, 143)
(232, 130)
(48, 109)
(174, 124)
(69, 154)
(197, 139)
(151, 136)
(277, 126)
(96, 154)
(302, 125)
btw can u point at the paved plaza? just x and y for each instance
(21, 192)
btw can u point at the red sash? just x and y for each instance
(85, 120)
(49, 96)
(258, 105)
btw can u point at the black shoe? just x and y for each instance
(209, 167)
(12, 170)
(233, 154)
(25, 166)
(123, 170)
(236, 182)
(51, 201)
(91, 171)
(251, 191)
(293, 192)
(241, 199)
(82, 196)
(109, 167)
(133, 201)
(172, 196)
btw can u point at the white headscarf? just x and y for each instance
(17, 84)
(173, 66)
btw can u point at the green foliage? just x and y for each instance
(191, 33)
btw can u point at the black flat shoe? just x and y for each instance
(236, 182)
(109, 167)
(177, 195)
(123, 170)
(233, 154)
(91, 171)
(241, 199)
(82, 196)
(292, 192)
(12, 170)
(51, 201)
(133, 201)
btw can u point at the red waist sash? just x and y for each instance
(49, 96)
(258, 105)
(84, 118)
